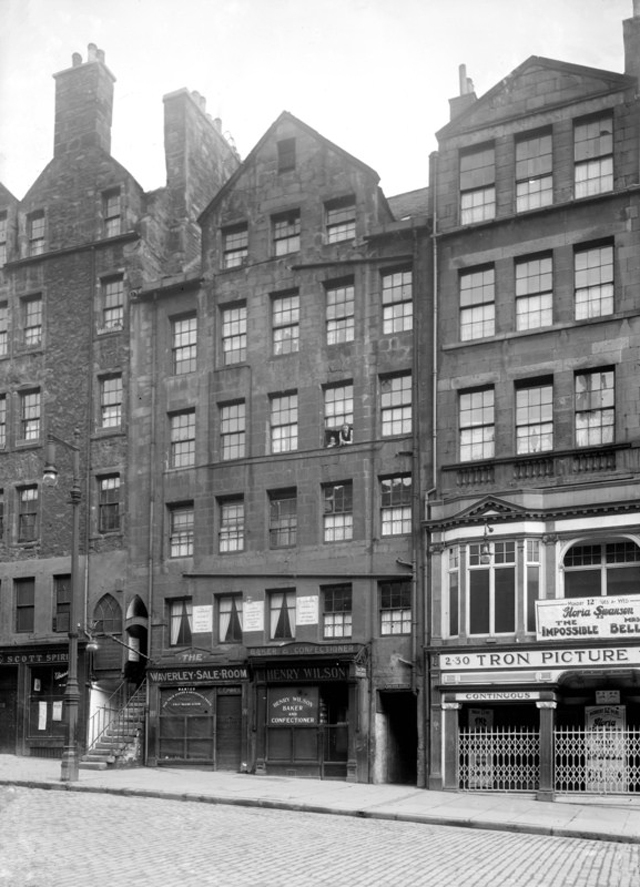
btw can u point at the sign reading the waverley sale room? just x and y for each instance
(584, 618)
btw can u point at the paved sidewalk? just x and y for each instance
(597, 818)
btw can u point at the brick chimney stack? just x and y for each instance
(631, 34)
(84, 104)
(467, 96)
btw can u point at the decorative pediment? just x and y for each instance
(538, 84)
(488, 509)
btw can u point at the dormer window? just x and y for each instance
(340, 220)
(112, 213)
(35, 233)
(286, 154)
(235, 246)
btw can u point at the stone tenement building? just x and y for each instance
(533, 531)
(359, 475)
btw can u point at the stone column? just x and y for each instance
(547, 788)
(450, 733)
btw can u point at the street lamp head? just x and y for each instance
(50, 475)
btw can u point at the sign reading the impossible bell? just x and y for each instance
(583, 618)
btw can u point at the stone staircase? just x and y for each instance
(120, 743)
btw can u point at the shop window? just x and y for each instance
(61, 603)
(477, 185)
(285, 323)
(230, 619)
(395, 607)
(396, 405)
(231, 526)
(184, 333)
(601, 569)
(593, 156)
(286, 233)
(107, 616)
(397, 301)
(234, 334)
(337, 611)
(180, 622)
(282, 615)
(477, 304)
(109, 503)
(232, 430)
(534, 419)
(182, 452)
(453, 575)
(28, 513)
(284, 422)
(338, 512)
(235, 246)
(340, 220)
(534, 293)
(595, 408)
(340, 312)
(338, 415)
(112, 294)
(492, 588)
(476, 424)
(286, 154)
(593, 281)
(181, 530)
(395, 505)
(283, 519)
(25, 598)
(30, 415)
(534, 178)
(532, 567)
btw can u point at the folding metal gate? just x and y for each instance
(503, 759)
(604, 761)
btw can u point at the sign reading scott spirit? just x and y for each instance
(293, 706)
(588, 617)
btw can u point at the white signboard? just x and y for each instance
(307, 610)
(497, 696)
(605, 748)
(203, 619)
(540, 658)
(252, 615)
(600, 617)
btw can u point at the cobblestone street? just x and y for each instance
(54, 838)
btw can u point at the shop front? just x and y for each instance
(306, 710)
(197, 716)
(549, 719)
(32, 689)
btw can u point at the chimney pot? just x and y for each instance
(100, 54)
(636, 8)
(91, 53)
(76, 59)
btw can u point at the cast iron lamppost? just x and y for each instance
(70, 757)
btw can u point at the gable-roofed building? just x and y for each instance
(280, 452)
(533, 529)
(72, 251)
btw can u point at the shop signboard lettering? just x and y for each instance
(186, 701)
(199, 675)
(306, 650)
(293, 706)
(541, 658)
(498, 696)
(278, 674)
(32, 658)
(588, 618)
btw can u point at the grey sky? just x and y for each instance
(374, 76)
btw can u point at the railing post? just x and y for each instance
(450, 732)
(547, 788)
